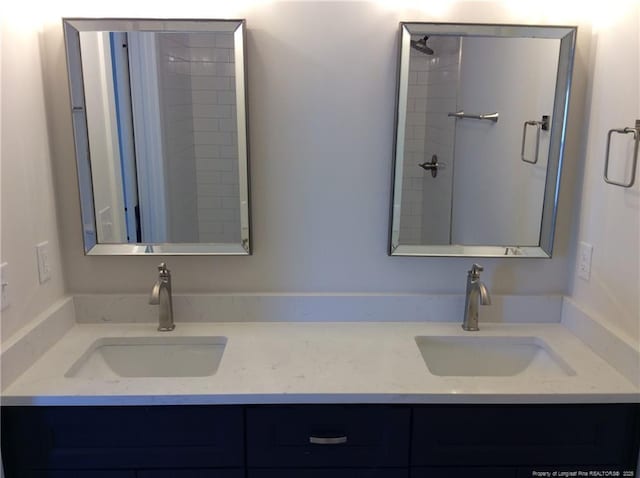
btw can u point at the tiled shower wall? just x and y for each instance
(442, 98)
(426, 201)
(414, 152)
(215, 136)
(177, 125)
(197, 74)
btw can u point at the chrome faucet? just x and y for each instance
(476, 292)
(161, 295)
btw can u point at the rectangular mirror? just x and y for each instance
(480, 130)
(160, 128)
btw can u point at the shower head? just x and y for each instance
(421, 46)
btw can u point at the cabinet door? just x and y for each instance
(328, 436)
(122, 437)
(210, 473)
(525, 435)
(329, 473)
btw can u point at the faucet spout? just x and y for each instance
(154, 298)
(161, 296)
(476, 294)
(485, 297)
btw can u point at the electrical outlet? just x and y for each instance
(585, 251)
(44, 264)
(4, 281)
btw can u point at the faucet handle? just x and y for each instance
(163, 271)
(475, 271)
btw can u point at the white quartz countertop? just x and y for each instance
(322, 362)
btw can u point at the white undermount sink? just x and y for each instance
(490, 356)
(169, 356)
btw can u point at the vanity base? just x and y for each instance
(318, 441)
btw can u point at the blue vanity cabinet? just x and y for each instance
(319, 441)
(113, 442)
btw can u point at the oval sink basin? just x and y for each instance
(490, 356)
(150, 357)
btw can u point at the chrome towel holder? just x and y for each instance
(543, 124)
(636, 139)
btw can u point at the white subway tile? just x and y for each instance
(206, 124)
(208, 176)
(201, 39)
(204, 97)
(207, 154)
(222, 55)
(229, 151)
(225, 69)
(228, 124)
(203, 68)
(226, 97)
(229, 178)
(206, 111)
(212, 165)
(224, 40)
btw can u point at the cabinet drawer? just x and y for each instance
(210, 473)
(329, 473)
(328, 436)
(122, 437)
(78, 474)
(463, 473)
(526, 435)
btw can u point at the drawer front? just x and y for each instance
(525, 435)
(77, 474)
(202, 473)
(123, 437)
(210, 473)
(329, 473)
(464, 473)
(328, 436)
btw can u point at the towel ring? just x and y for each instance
(636, 139)
(542, 124)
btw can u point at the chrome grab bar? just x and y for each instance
(542, 124)
(636, 138)
(483, 116)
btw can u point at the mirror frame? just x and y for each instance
(567, 36)
(72, 28)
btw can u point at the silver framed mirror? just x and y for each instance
(159, 113)
(480, 132)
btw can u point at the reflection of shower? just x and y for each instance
(421, 46)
